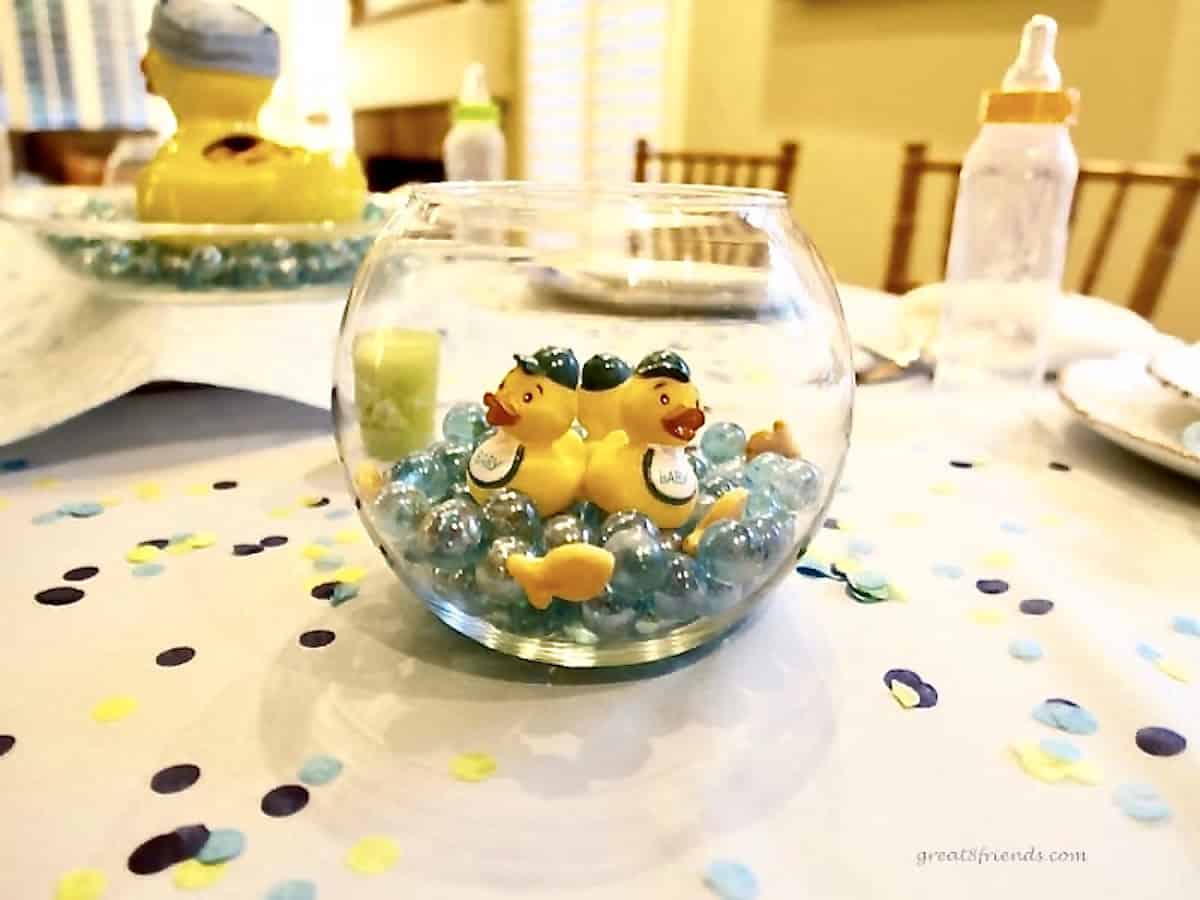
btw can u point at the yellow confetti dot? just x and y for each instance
(1051, 520)
(373, 855)
(848, 564)
(147, 490)
(178, 549)
(191, 874)
(1174, 669)
(897, 595)
(907, 519)
(110, 501)
(114, 709)
(281, 512)
(348, 536)
(996, 559)
(1044, 767)
(81, 884)
(45, 484)
(905, 696)
(311, 500)
(943, 489)
(368, 481)
(197, 490)
(3, 503)
(473, 766)
(314, 551)
(350, 574)
(143, 553)
(201, 539)
(987, 615)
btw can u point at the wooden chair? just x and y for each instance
(1183, 183)
(697, 167)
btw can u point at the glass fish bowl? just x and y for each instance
(592, 426)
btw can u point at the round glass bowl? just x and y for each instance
(94, 233)
(592, 426)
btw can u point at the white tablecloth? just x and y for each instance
(779, 749)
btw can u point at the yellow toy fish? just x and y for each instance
(575, 572)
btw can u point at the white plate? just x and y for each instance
(1119, 400)
(1178, 368)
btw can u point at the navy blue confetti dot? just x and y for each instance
(1062, 700)
(224, 485)
(357, 503)
(962, 464)
(160, 543)
(1060, 466)
(80, 573)
(58, 596)
(176, 656)
(165, 850)
(830, 523)
(992, 585)
(6, 743)
(14, 465)
(320, 501)
(320, 637)
(324, 590)
(1158, 741)
(285, 800)
(1036, 606)
(274, 540)
(174, 779)
(246, 549)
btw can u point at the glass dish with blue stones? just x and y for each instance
(94, 234)
(585, 487)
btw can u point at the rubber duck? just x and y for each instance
(643, 465)
(534, 451)
(600, 395)
(575, 572)
(215, 64)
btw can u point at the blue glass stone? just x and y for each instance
(283, 273)
(277, 249)
(626, 518)
(114, 260)
(721, 595)
(373, 212)
(98, 209)
(491, 573)
(682, 595)
(510, 513)
(648, 625)
(716, 484)
(763, 469)
(608, 615)
(422, 470)
(204, 267)
(699, 464)
(174, 266)
(771, 538)
(451, 534)
(465, 422)
(146, 263)
(453, 457)
(722, 442)
(563, 529)
(728, 551)
(763, 502)
(734, 470)
(456, 586)
(640, 564)
(591, 516)
(250, 270)
(399, 508)
(798, 485)
(460, 490)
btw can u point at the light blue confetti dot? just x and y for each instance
(1142, 802)
(47, 517)
(324, 541)
(320, 769)
(1148, 653)
(84, 509)
(1013, 527)
(860, 547)
(869, 580)
(339, 513)
(1186, 625)
(1191, 437)
(947, 570)
(329, 562)
(343, 592)
(292, 890)
(843, 488)
(1063, 716)
(145, 570)
(1025, 649)
(731, 880)
(180, 537)
(1060, 750)
(223, 844)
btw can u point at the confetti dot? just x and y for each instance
(315, 502)
(1051, 520)
(314, 552)
(373, 855)
(274, 540)
(731, 880)
(830, 523)
(178, 549)
(281, 512)
(329, 562)
(174, 779)
(165, 850)
(143, 553)
(339, 513)
(7, 742)
(813, 568)
(473, 767)
(343, 592)
(351, 574)
(201, 539)
(224, 485)
(147, 490)
(986, 615)
(45, 484)
(320, 769)
(1174, 669)
(81, 573)
(962, 464)
(348, 536)
(1036, 606)
(81, 510)
(46, 518)
(246, 549)
(927, 694)
(1013, 527)
(110, 502)
(943, 489)
(869, 580)
(148, 570)
(1025, 649)
(319, 637)
(285, 800)
(1060, 466)
(905, 696)
(1142, 802)
(857, 546)
(192, 875)
(196, 490)
(14, 465)
(114, 709)
(907, 519)
(294, 889)
(991, 585)
(1044, 767)
(947, 570)
(1066, 716)
(1060, 750)
(1186, 625)
(996, 559)
(845, 565)
(223, 844)
(176, 656)
(1148, 653)
(81, 884)
(324, 590)
(58, 596)
(1159, 741)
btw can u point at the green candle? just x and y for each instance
(395, 385)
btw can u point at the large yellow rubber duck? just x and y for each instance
(535, 451)
(643, 465)
(215, 64)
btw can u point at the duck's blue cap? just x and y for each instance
(603, 372)
(216, 35)
(556, 363)
(664, 364)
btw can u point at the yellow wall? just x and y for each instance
(854, 79)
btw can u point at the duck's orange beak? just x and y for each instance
(497, 413)
(684, 425)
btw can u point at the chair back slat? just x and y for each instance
(726, 169)
(1108, 227)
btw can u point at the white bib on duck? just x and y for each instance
(495, 462)
(668, 474)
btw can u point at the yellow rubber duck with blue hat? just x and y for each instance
(534, 451)
(215, 63)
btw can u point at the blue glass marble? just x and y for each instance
(465, 422)
(763, 469)
(423, 471)
(174, 267)
(399, 508)
(609, 615)
(453, 457)
(639, 562)
(456, 586)
(626, 518)
(682, 595)
(716, 484)
(699, 464)
(727, 550)
(723, 441)
(771, 536)
(250, 271)
(204, 267)
(510, 513)
(283, 273)
(564, 529)
(721, 595)
(591, 516)
(797, 484)
(114, 260)
(734, 470)
(491, 573)
(145, 266)
(451, 534)
(373, 212)
(762, 502)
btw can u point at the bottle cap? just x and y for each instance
(1032, 91)
(474, 100)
